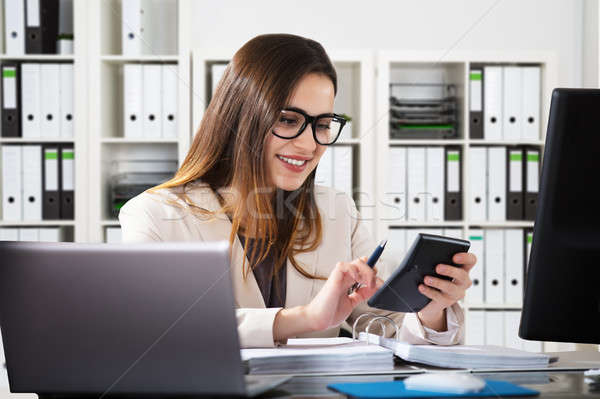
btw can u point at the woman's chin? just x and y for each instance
(288, 184)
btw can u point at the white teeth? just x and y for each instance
(291, 161)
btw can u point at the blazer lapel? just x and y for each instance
(246, 290)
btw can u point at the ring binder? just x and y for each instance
(375, 318)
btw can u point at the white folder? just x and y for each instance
(169, 100)
(496, 183)
(454, 233)
(416, 183)
(113, 235)
(530, 128)
(324, 173)
(66, 100)
(396, 245)
(133, 98)
(478, 183)
(14, 27)
(513, 266)
(533, 170)
(50, 101)
(217, 71)
(32, 182)
(475, 293)
(512, 105)
(30, 100)
(475, 328)
(49, 234)
(512, 319)
(9, 234)
(492, 103)
(12, 183)
(29, 234)
(494, 266)
(395, 195)
(434, 206)
(152, 103)
(163, 14)
(342, 168)
(494, 327)
(131, 27)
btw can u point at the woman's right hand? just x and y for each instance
(332, 305)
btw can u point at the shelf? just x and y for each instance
(506, 142)
(141, 58)
(110, 223)
(32, 223)
(508, 223)
(38, 57)
(396, 142)
(22, 140)
(347, 141)
(427, 224)
(123, 140)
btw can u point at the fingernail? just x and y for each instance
(441, 269)
(428, 280)
(421, 288)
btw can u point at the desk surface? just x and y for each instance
(552, 383)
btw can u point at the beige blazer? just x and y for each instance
(165, 216)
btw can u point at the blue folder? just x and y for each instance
(396, 389)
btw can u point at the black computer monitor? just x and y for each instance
(562, 295)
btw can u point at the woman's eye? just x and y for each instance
(322, 127)
(288, 121)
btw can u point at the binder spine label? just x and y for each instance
(476, 98)
(516, 169)
(9, 84)
(532, 171)
(68, 171)
(51, 178)
(453, 158)
(33, 13)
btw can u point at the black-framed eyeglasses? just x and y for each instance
(292, 122)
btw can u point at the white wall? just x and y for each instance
(510, 25)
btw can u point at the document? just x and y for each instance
(50, 100)
(31, 100)
(478, 183)
(497, 184)
(492, 103)
(32, 182)
(12, 183)
(416, 184)
(14, 27)
(494, 266)
(435, 184)
(133, 97)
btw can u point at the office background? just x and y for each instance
(185, 44)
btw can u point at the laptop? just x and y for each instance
(114, 319)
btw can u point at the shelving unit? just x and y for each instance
(75, 229)
(451, 69)
(108, 147)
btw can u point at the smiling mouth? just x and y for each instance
(295, 162)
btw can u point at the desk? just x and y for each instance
(563, 379)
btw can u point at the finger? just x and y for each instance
(446, 287)
(362, 294)
(348, 269)
(433, 294)
(459, 275)
(368, 274)
(466, 259)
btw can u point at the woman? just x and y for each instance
(296, 248)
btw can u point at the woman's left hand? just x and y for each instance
(445, 293)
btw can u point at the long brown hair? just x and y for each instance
(228, 151)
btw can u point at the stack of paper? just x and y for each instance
(462, 356)
(318, 355)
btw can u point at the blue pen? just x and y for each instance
(371, 262)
